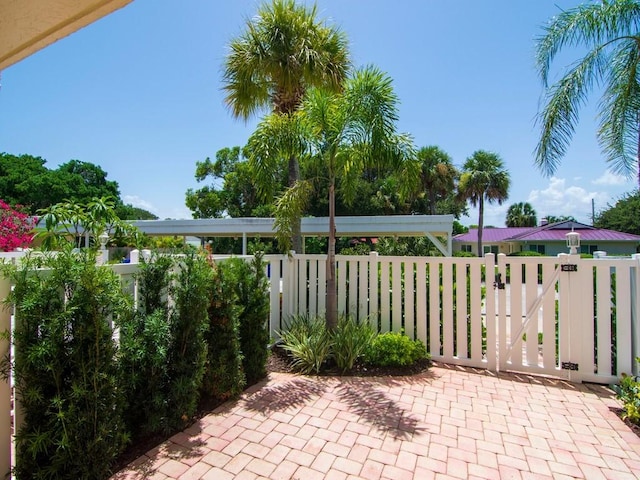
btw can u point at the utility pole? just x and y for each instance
(593, 211)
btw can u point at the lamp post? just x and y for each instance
(103, 238)
(573, 242)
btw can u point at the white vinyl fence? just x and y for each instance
(568, 317)
(565, 316)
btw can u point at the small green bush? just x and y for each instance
(350, 339)
(526, 253)
(393, 349)
(308, 342)
(464, 254)
(629, 393)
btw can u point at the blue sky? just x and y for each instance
(139, 93)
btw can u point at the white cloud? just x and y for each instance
(558, 199)
(609, 179)
(136, 201)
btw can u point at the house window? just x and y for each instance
(466, 248)
(490, 249)
(537, 248)
(588, 249)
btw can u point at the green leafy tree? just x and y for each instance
(521, 214)
(623, 216)
(347, 133)
(609, 31)
(239, 195)
(284, 50)
(129, 212)
(484, 178)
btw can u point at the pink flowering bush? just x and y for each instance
(16, 228)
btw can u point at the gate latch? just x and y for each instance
(498, 283)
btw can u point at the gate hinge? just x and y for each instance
(569, 366)
(498, 283)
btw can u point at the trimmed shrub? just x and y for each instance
(65, 368)
(187, 350)
(144, 347)
(393, 349)
(252, 292)
(223, 378)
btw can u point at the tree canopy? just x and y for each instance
(623, 216)
(521, 214)
(484, 178)
(25, 180)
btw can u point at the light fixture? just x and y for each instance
(103, 238)
(573, 242)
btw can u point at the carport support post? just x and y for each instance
(244, 243)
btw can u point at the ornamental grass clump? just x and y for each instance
(350, 340)
(308, 342)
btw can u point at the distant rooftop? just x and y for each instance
(550, 232)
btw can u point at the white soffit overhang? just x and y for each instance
(27, 26)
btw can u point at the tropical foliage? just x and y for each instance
(284, 50)
(438, 180)
(16, 228)
(344, 134)
(623, 216)
(484, 178)
(521, 214)
(25, 180)
(609, 32)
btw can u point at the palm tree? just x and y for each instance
(521, 214)
(284, 50)
(483, 178)
(437, 177)
(346, 133)
(610, 32)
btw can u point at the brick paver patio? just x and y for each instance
(448, 423)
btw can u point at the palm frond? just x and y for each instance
(620, 109)
(289, 209)
(589, 25)
(560, 114)
(277, 138)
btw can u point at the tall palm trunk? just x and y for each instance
(332, 294)
(480, 224)
(294, 177)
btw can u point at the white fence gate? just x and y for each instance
(564, 316)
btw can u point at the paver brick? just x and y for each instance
(449, 424)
